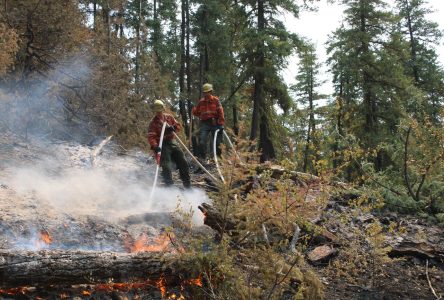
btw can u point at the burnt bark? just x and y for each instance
(52, 267)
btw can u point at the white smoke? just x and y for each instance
(116, 187)
(59, 180)
(36, 105)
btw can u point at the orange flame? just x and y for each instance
(175, 297)
(197, 281)
(14, 291)
(161, 285)
(143, 243)
(45, 237)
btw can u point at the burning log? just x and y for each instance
(27, 268)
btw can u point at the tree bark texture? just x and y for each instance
(48, 267)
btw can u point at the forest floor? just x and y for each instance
(407, 263)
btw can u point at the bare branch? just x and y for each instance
(430, 283)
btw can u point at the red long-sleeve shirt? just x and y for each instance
(155, 129)
(209, 107)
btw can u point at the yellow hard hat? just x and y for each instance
(207, 87)
(158, 106)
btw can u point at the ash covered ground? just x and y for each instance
(70, 196)
(65, 195)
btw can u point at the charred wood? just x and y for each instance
(28, 268)
(215, 220)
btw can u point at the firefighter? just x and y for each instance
(171, 153)
(211, 114)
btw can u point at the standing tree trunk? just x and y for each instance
(258, 74)
(182, 109)
(95, 15)
(234, 110)
(156, 29)
(260, 117)
(339, 112)
(412, 43)
(188, 58)
(307, 148)
(138, 50)
(201, 73)
(106, 20)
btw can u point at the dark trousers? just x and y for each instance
(204, 132)
(173, 155)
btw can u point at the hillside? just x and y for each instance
(352, 249)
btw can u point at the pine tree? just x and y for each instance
(305, 88)
(368, 77)
(422, 35)
(267, 46)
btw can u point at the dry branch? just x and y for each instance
(430, 283)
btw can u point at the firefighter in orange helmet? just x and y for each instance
(171, 153)
(211, 114)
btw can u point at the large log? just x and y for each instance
(28, 268)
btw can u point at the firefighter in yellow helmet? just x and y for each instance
(171, 152)
(211, 114)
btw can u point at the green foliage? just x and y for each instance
(253, 261)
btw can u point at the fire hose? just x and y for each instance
(158, 162)
(231, 145)
(195, 159)
(215, 155)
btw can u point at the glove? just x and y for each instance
(170, 129)
(157, 152)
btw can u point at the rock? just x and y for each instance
(321, 254)
(325, 237)
(363, 219)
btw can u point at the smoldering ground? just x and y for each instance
(59, 177)
(114, 188)
(63, 193)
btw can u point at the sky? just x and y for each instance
(318, 25)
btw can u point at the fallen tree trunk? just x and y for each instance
(52, 267)
(417, 249)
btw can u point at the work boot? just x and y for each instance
(187, 185)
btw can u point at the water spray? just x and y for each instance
(97, 150)
(158, 165)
